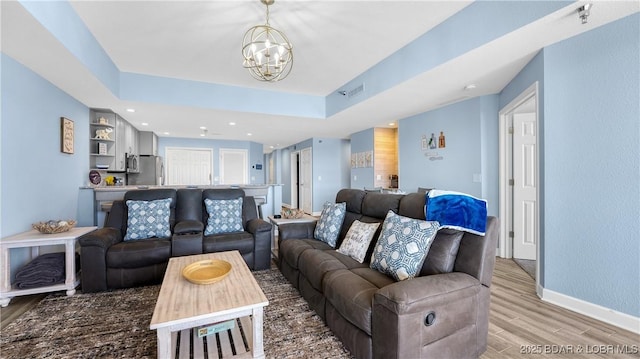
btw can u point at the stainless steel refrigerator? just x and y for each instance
(151, 172)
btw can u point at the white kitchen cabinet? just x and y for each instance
(147, 143)
(121, 144)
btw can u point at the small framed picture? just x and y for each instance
(66, 135)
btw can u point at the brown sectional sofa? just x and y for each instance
(442, 313)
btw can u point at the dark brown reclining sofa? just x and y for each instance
(442, 313)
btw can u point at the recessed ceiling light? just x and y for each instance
(392, 124)
(470, 87)
(144, 124)
(203, 128)
(232, 123)
(249, 134)
(202, 135)
(131, 110)
(165, 133)
(271, 146)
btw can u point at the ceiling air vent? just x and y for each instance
(355, 91)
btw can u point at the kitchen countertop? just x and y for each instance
(133, 187)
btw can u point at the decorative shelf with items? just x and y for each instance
(102, 138)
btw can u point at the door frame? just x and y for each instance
(505, 244)
(295, 178)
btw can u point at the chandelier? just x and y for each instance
(267, 52)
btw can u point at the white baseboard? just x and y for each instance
(622, 320)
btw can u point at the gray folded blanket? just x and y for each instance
(47, 269)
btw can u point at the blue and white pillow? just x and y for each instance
(148, 219)
(225, 216)
(403, 246)
(457, 210)
(331, 218)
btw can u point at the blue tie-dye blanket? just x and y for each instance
(457, 211)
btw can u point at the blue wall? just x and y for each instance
(465, 154)
(255, 153)
(38, 181)
(330, 165)
(592, 166)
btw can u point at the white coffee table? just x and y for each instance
(183, 305)
(35, 240)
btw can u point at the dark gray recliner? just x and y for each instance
(109, 262)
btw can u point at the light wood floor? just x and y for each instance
(520, 325)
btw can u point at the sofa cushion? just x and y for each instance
(291, 249)
(139, 253)
(148, 219)
(352, 295)
(314, 264)
(225, 216)
(356, 242)
(240, 241)
(328, 227)
(443, 252)
(403, 245)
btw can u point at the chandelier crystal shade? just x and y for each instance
(267, 52)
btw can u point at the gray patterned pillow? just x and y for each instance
(328, 227)
(357, 240)
(148, 219)
(225, 216)
(403, 245)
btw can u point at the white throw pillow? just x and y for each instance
(357, 240)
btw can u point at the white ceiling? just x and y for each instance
(334, 41)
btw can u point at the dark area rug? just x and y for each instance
(116, 325)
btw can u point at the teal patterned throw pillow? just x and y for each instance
(328, 227)
(403, 246)
(225, 216)
(148, 219)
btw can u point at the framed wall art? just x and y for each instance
(66, 135)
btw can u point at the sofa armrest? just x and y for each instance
(93, 257)
(413, 314)
(296, 230)
(101, 237)
(187, 238)
(261, 231)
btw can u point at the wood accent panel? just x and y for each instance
(385, 155)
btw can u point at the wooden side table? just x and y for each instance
(35, 240)
(276, 222)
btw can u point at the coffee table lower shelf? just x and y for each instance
(234, 342)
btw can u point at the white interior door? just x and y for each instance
(294, 179)
(306, 181)
(234, 166)
(525, 226)
(188, 166)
